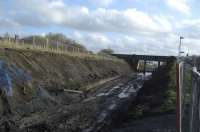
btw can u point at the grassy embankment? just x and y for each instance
(58, 68)
(54, 71)
(59, 50)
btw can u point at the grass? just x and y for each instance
(170, 101)
(28, 47)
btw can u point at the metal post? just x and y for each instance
(177, 99)
(178, 91)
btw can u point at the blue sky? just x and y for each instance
(127, 26)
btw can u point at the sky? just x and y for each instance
(150, 27)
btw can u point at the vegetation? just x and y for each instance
(158, 95)
(170, 94)
(106, 52)
(65, 46)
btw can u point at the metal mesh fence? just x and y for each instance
(195, 104)
(190, 95)
(186, 94)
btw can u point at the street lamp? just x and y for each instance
(179, 48)
(178, 89)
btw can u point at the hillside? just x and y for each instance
(39, 79)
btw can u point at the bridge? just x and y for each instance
(134, 59)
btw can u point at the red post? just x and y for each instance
(177, 99)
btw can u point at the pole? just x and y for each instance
(33, 40)
(179, 49)
(177, 100)
(57, 45)
(178, 91)
(47, 43)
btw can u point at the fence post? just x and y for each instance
(33, 40)
(57, 46)
(9, 40)
(47, 43)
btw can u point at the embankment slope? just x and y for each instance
(39, 79)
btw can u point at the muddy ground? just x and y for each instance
(88, 114)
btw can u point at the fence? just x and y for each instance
(46, 44)
(189, 81)
(195, 105)
(59, 48)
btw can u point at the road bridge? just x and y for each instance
(134, 59)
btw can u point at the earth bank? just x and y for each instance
(39, 81)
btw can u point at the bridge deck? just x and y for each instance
(144, 57)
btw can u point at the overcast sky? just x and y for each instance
(127, 26)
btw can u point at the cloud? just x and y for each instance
(125, 30)
(8, 24)
(165, 45)
(126, 21)
(179, 5)
(102, 3)
(189, 28)
(93, 41)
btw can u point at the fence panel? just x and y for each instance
(185, 80)
(195, 105)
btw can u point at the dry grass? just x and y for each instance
(28, 47)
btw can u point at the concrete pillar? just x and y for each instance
(144, 70)
(158, 64)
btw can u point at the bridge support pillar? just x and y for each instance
(158, 64)
(144, 70)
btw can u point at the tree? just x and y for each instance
(106, 51)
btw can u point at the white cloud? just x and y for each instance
(103, 3)
(164, 45)
(125, 30)
(126, 21)
(189, 28)
(8, 24)
(180, 5)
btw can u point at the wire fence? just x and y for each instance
(195, 105)
(190, 95)
(54, 46)
(45, 44)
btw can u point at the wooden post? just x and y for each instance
(47, 43)
(9, 40)
(33, 40)
(57, 45)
